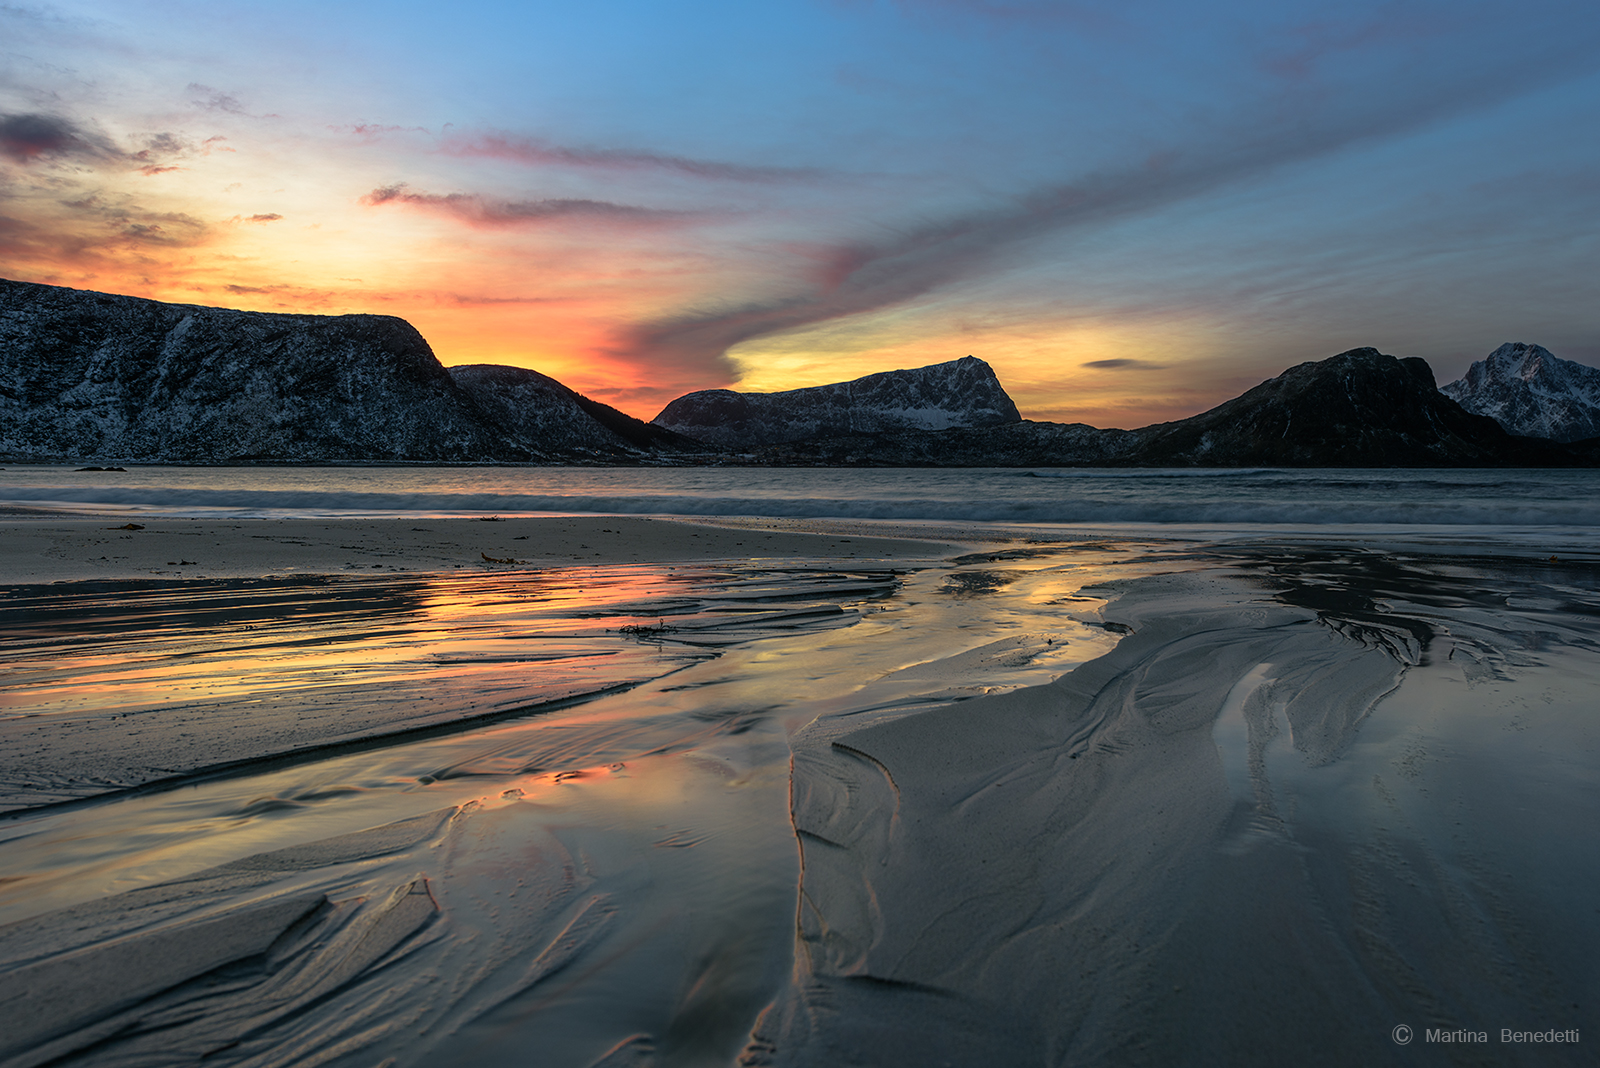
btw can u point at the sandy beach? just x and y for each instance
(44, 548)
(653, 792)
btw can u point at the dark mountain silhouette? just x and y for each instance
(550, 418)
(1360, 408)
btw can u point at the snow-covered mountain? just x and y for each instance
(960, 393)
(1530, 392)
(87, 375)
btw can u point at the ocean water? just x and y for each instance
(1214, 497)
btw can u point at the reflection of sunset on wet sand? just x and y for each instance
(131, 684)
(1018, 802)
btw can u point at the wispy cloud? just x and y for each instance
(482, 211)
(1315, 43)
(130, 223)
(204, 96)
(369, 133)
(542, 153)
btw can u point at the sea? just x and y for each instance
(1298, 498)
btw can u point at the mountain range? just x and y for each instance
(96, 376)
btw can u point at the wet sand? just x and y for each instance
(1274, 823)
(46, 548)
(1115, 802)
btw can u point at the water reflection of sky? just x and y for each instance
(117, 684)
(648, 830)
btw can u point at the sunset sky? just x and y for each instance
(1133, 209)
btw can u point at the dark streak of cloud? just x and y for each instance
(263, 218)
(26, 137)
(489, 212)
(1125, 364)
(542, 153)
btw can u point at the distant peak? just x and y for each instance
(1519, 351)
(1532, 392)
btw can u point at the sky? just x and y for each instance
(1132, 210)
